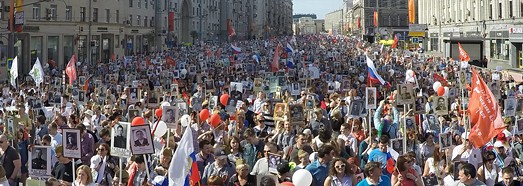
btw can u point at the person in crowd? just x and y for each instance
(340, 174)
(242, 177)
(434, 166)
(404, 174)
(508, 178)
(467, 176)
(388, 124)
(220, 167)
(374, 175)
(138, 173)
(262, 165)
(381, 154)
(63, 170)
(84, 176)
(87, 145)
(466, 152)
(205, 156)
(290, 153)
(104, 164)
(488, 172)
(235, 154)
(319, 168)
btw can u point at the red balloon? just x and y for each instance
(215, 120)
(224, 99)
(138, 121)
(441, 91)
(158, 113)
(204, 114)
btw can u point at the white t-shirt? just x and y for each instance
(472, 156)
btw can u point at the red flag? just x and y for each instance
(395, 43)
(463, 56)
(485, 114)
(375, 18)
(86, 84)
(275, 65)
(442, 80)
(359, 22)
(230, 29)
(170, 61)
(70, 70)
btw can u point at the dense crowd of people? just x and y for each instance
(310, 110)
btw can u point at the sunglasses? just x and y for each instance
(101, 149)
(340, 166)
(2, 142)
(266, 151)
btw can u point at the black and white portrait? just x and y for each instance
(419, 105)
(445, 140)
(141, 140)
(132, 113)
(40, 161)
(274, 161)
(510, 107)
(174, 89)
(495, 88)
(355, 108)
(296, 113)
(170, 116)
(370, 97)
(81, 96)
(71, 141)
(236, 90)
(209, 84)
(258, 84)
(405, 94)
(410, 123)
(120, 139)
(397, 145)
(440, 105)
(231, 105)
(213, 100)
(133, 92)
(183, 109)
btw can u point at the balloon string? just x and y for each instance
(154, 128)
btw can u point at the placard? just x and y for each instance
(170, 116)
(405, 94)
(40, 161)
(370, 98)
(440, 105)
(510, 107)
(120, 139)
(72, 143)
(141, 140)
(296, 113)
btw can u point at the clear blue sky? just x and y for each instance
(318, 7)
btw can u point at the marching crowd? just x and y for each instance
(292, 111)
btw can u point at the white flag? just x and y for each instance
(182, 161)
(14, 71)
(37, 72)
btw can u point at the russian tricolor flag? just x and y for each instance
(374, 77)
(183, 169)
(236, 49)
(289, 48)
(256, 57)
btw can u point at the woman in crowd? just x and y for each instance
(84, 176)
(235, 155)
(488, 172)
(104, 164)
(242, 177)
(404, 174)
(340, 174)
(435, 166)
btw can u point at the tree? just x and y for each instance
(194, 35)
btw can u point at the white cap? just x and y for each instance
(465, 135)
(307, 131)
(498, 144)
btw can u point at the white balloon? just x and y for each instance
(186, 120)
(361, 78)
(161, 129)
(302, 177)
(447, 91)
(183, 71)
(165, 104)
(436, 85)
(409, 76)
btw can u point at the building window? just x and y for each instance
(151, 23)
(36, 11)
(130, 3)
(165, 4)
(68, 47)
(145, 21)
(139, 3)
(434, 42)
(1, 10)
(138, 20)
(130, 20)
(500, 11)
(69, 13)
(117, 41)
(510, 9)
(82, 14)
(108, 15)
(117, 16)
(53, 15)
(521, 8)
(146, 5)
(165, 22)
(52, 47)
(95, 15)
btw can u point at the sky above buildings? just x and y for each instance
(318, 7)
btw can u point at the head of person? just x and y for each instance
(373, 169)
(140, 162)
(140, 135)
(119, 130)
(269, 148)
(507, 174)
(167, 155)
(105, 134)
(383, 143)
(403, 163)
(234, 143)
(104, 149)
(467, 173)
(345, 129)
(59, 154)
(52, 182)
(53, 129)
(429, 138)
(441, 102)
(205, 147)
(4, 143)
(46, 140)
(116, 179)
(215, 180)
(340, 166)
(220, 158)
(267, 181)
(303, 156)
(84, 175)
(327, 152)
(242, 170)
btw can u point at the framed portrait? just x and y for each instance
(196, 103)
(406, 94)
(279, 111)
(355, 108)
(295, 89)
(141, 140)
(209, 84)
(213, 101)
(236, 90)
(120, 139)
(174, 89)
(134, 95)
(170, 116)
(397, 145)
(274, 161)
(258, 84)
(132, 113)
(419, 105)
(135, 84)
(231, 105)
(495, 87)
(296, 113)
(370, 98)
(176, 74)
(445, 140)
(192, 70)
(440, 105)
(410, 123)
(309, 102)
(153, 98)
(182, 108)
(510, 107)
(72, 143)
(519, 125)
(39, 161)
(346, 86)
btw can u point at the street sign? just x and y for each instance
(417, 27)
(415, 40)
(19, 18)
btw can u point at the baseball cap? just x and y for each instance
(307, 131)
(465, 135)
(220, 154)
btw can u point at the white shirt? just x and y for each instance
(56, 140)
(472, 156)
(261, 167)
(96, 121)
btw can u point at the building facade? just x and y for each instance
(334, 22)
(392, 18)
(487, 28)
(304, 26)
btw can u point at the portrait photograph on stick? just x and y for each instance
(120, 139)
(141, 140)
(72, 143)
(40, 161)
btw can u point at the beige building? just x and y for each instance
(304, 26)
(490, 28)
(334, 22)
